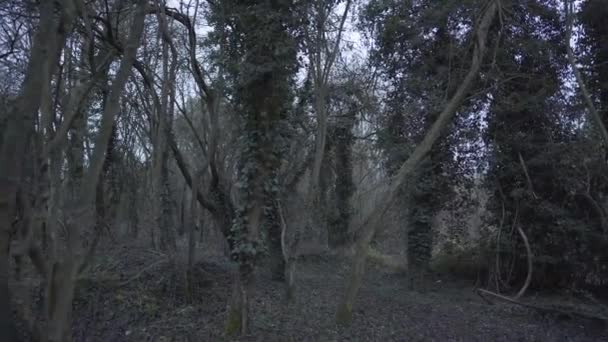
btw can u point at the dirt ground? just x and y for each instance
(138, 295)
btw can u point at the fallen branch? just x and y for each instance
(543, 309)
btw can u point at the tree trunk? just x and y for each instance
(19, 128)
(190, 223)
(164, 122)
(62, 277)
(7, 327)
(370, 222)
(60, 294)
(338, 235)
(277, 262)
(264, 91)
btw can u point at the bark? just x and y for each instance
(322, 69)
(338, 236)
(64, 270)
(320, 139)
(264, 91)
(277, 262)
(190, 223)
(218, 204)
(164, 118)
(7, 326)
(289, 257)
(220, 208)
(371, 221)
(19, 128)
(182, 210)
(210, 98)
(322, 56)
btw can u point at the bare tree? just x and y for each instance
(17, 134)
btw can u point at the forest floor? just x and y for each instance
(138, 295)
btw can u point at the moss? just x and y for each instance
(289, 294)
(233, 322)
(344, 315)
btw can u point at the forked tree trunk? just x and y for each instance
(62, 277)
(18, 129)
(322, 59)
(322, 55)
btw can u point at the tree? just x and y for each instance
(594, 40)
(322, 50)
(529, 125)
(267, 66)
(422, 73)
(370, 222)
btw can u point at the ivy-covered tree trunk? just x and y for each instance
(431, 82)
(277, 262)
(268, 64)
(344, 186)
(324, 202)
(425, 203)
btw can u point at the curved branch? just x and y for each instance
(529, 258)
(372, 221)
